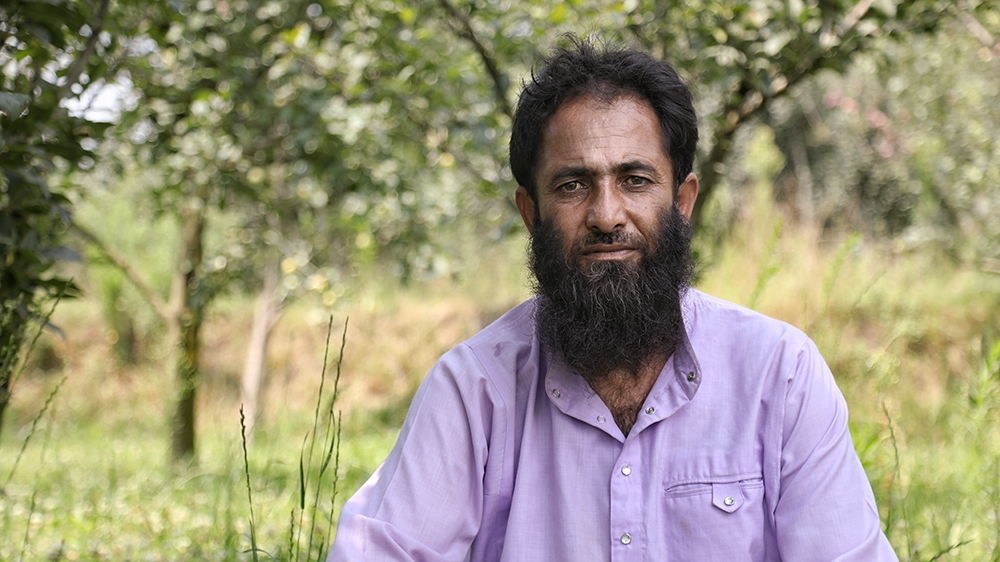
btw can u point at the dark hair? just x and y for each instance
(607, 73)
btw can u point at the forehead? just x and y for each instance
(595, 133)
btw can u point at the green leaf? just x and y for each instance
(13, 105)
(558, 14)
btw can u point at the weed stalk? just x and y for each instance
(246, 470)
(27, 528)
(34, 428)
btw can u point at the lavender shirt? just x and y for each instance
(741, 453)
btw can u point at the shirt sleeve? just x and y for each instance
(825, 509)
(425, 502)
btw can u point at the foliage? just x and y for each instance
(333, 136)
(286, 113)
(901, 146)
(346, 130)
(47, 52)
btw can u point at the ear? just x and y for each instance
(525, 206)
(687, 192)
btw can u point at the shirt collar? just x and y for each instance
(675, 386)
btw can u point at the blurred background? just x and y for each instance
(284, 212)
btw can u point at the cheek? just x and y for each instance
(568, 221)
(566, 233)
(647, 219)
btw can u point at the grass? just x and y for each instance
(911, 338)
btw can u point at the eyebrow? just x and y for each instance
(568, 172)
(635, 166)
(578, 171)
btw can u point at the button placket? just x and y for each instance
(627, 502)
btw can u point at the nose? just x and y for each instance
(606, 211)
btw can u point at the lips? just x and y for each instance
(608, 251)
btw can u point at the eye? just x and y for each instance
(636, 181)
(570, 187)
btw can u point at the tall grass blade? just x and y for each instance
(311, 438)
(949, 549)
(833, 272)
(291, 532)
(890, 512)
(322, 382)
(34, 428)
(331, 433)
(336, 479)
(10, 355)
(340, 362)
(771, 266)
(27, 528)
(302, 496)
(246, 471)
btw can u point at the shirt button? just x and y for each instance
(650, 410)
(626, 470)
(601, 419)
(555, 392)
(729, 500)
(691, 376)
(626, 538)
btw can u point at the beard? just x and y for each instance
(605, 316)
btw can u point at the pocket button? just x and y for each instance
(727, 496)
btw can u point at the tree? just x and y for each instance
(265, 110)
(338, 130)
(738, 57)
(49, 53)
(898, 147)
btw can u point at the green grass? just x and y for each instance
(911, 338)
(113, 497)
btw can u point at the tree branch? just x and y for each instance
(854, 16)
(977, 30)
(152, 297)
(499, 80)
(81, 62)
(849, 22)
(739, 113)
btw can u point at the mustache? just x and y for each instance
(614, 237)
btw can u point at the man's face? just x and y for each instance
(603, 170)
(609, 248)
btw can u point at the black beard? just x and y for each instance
(609, 316)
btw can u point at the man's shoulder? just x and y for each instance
(514, 326)
(709, 317)
(500, 348)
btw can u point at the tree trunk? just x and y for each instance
(803, 181)
(264, 316)
(188, 300)
(10, 344)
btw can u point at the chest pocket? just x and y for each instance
(716, 519)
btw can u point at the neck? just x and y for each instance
(624, 392)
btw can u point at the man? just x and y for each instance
(618, 415)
